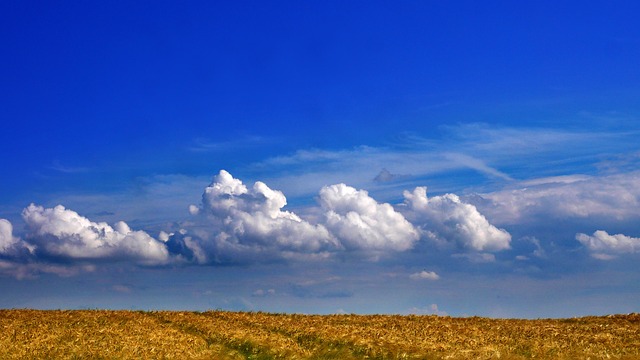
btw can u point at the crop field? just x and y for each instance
(91, 334)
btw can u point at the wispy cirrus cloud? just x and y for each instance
(613, 197)
(58, 166)
(499, 154)
(247, 141)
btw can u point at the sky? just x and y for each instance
(410, 157)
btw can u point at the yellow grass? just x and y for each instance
(95, 334)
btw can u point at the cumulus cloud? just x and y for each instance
(9, 244)
(18, 258)
(63, 233)
(604, 246)
(424, 275)
(235, 222)
(361, 223)
(448, 220)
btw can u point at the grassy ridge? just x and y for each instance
(91, 334)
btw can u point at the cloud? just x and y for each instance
(57, 166)
(476, 258)
(263, 293)
(62, 233)
(616, 197)
(424, 275)
(125, 289)
(539, 251)
(475, 164)
(447, 220)
(489, 150)
(9, 244)
(20, 269)
(247, 141)
(361, 223)
(18, 258)
(605, 247)
(235, 223)
(386, 176)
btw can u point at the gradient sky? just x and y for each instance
(428, 157)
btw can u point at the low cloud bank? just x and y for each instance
(59, 232)
(235, 223)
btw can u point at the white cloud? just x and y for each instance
(477, 258)
(307, 170)
(7, 241)
(615, 197)
(60, 232)
(447, 220)
(235, 223)
(475, 164)
(424, 275)
(480, 147)
(11, 246)
(361, 223)
(263, 293)
(605, 247)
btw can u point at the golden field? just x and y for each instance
(100, 334)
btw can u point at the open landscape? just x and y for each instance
(74, 334)
(326, 179)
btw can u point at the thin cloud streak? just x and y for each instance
(502, 155)
(204, 145)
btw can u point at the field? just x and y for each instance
(91, 334)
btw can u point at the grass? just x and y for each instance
(99, 334)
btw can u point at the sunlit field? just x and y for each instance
(27, 334)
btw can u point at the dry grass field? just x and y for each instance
(97, 334)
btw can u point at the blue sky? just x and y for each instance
(457, 158)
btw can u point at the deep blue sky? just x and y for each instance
(124, 111)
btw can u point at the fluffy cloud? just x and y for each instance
(604, 246)
(424, 275)
(63, 233)
(238, 223)
(363, 224)
(8, 242)
(235, 223)
(12, 247)
(446, 219)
